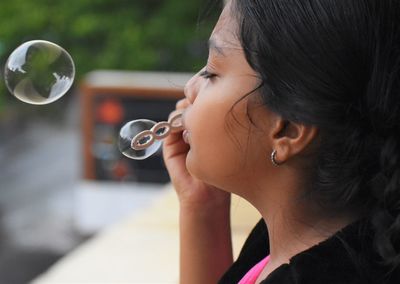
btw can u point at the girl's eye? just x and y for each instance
(207, 75)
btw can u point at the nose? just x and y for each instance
(191, 89)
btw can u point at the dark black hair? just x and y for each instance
(336, 65)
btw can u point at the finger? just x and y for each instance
(182, 103)
(174, 154)
(173, 138)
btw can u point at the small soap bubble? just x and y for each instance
(39, 72)
(129, 131)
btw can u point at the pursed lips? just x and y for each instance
(185, 136)
(185, 133)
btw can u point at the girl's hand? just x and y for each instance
(191, 192)
(204, 219)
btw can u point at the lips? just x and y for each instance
(185, 133)
(185, 136)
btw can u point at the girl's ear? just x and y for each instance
(290, 139)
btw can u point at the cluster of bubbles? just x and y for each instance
(40, 72)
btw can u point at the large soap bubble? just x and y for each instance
(39, 72)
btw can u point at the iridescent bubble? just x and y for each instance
(39, 72)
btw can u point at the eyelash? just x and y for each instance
(207, 75)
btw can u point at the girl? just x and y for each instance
(298, 112)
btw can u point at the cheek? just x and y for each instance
(214, 153)
(219, 134)
(212, 161)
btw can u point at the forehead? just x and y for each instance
(224, 34)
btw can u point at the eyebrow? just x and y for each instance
(212, 44)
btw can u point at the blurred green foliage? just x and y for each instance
(165, 35)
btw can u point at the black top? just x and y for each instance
(345, 257)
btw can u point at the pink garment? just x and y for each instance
(252, 275)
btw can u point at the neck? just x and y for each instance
(294, 224)
(291, 233)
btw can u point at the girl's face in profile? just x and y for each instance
(225, 146)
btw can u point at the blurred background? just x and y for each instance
(62, 179)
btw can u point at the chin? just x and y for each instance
(196, 168)
(202, 171)
(191, 165)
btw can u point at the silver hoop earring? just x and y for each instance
(273, 157)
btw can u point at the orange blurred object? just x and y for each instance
(110, 111)
(120, 170)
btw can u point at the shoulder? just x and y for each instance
(345, 257)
